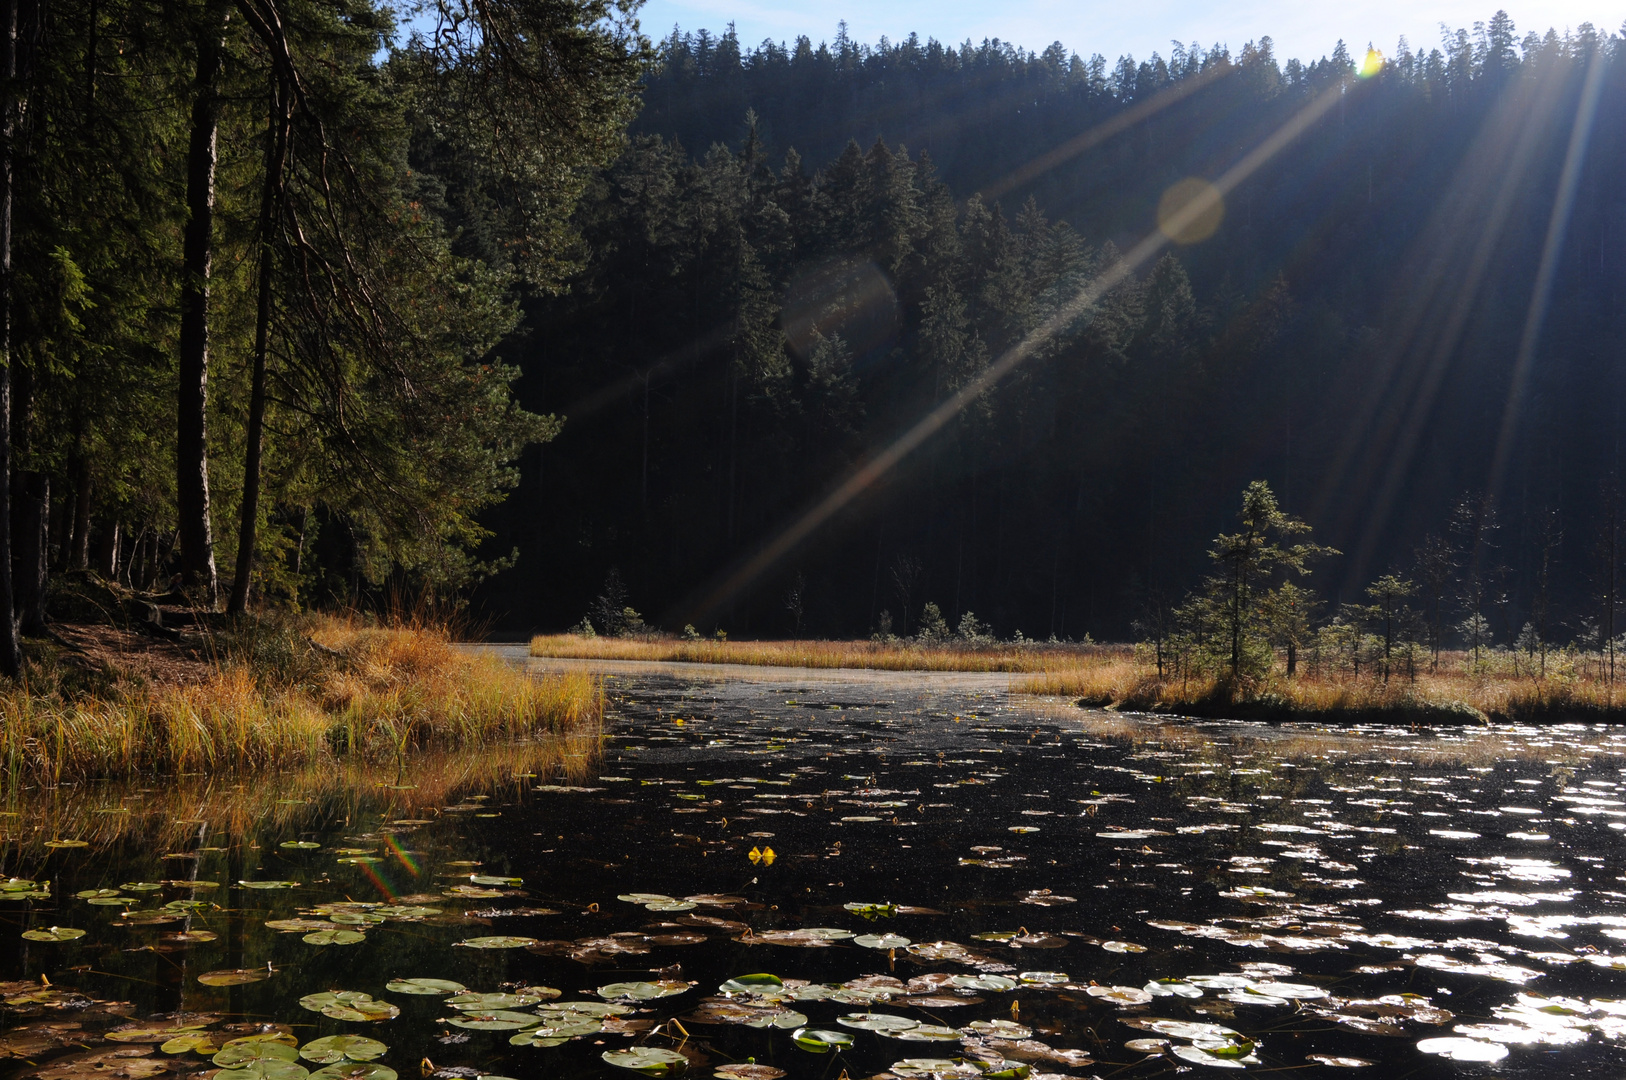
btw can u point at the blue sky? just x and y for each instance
(1304, 29)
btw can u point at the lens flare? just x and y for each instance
(1190, 211)
(1371, 64)
(380, 883)
(401, 854)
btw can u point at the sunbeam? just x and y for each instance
(1177, 222)
(1586, 110)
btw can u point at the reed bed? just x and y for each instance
(352, 691)
(1457, 692)
(879, 655)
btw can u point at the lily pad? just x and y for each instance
(269, 884)
(199, 1042)
(752, 984)
(497, 942)
(490, 879)
(99, 894)
(935, 1069)
(54, 933)
(268, 1069)
(299, 845)
(67, 843)
(1122, 947)
(820, 1041)
(646, 1059)
(1457, 1048)
(489, 1002)
(926, 1033)
(236, 976)
(336, 1048)
(334, 937)
(353, 1070)
(424, 986)
(882, 1023)
(141, 886)
(496, 1020)
(642, 991)
(999, 1029)
(882, 941)
(240, 1052)
(747, 1070)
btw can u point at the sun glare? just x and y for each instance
(1372, 64)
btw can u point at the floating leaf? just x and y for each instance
(747, 1071)
(66, 844)
(642, 991)
(644, 897)
(1339, 1062)
(883, 1023)
(646, 1059)
(193, 1042)
(491, 879)
(495, 1020)
(935, 1069)
(671, 905)
(425, 986)
(498, 942)
(55, 933)
(982, 982)
(998, 1029)
(820, 1041)
(242, 1051)
(100, 894)
(752, 984)
(334, 937)
(926, 1033)
(236, 976)
(335, 1048)
(872, 911)
(269, 884)
(299, 845)
(881, 941)
(1122, 947)
(489, 1002)
(352, 1070)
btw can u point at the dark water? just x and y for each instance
(1306, 896)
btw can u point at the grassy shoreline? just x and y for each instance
(1115, 677)
(284, 694)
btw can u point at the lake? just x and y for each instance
(832, 872)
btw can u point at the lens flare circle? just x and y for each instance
(1371, 64)
(1190, 211)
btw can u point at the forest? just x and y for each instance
(1407, 320)
(309, 307)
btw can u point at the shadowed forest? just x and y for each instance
(1411, 314)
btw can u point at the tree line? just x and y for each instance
(805, 247)
(254, 258)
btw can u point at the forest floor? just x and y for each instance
(1498, 686)
(125, 685)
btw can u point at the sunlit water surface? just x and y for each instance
(943, 880)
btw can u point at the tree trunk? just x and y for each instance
(107, 552)
(15, 31)
(276, 153)
(30, 550)
(192, 400)
(81, 519)
(1292, 659)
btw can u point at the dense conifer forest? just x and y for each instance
(1410, 321)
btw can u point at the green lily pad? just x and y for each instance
(336, 1048)
(299, 845)
(269, 884)
(983, 982)
(93, 894)
(873, 911)
(934, 1069)
(424, 986)
(410, 911)
(492, 879)
(999, 1029)
(498, 942)
(496, 1020)
(55, 933)
(585, 1008)
(353, 1070)
(882, 1023)
(268, 1069)
(926, 1033)
(882, 941)
(642, 991)
(356, 918)
(752, 984)
(488, 1002)
(111, 901)
(186, 905)
(67, 843)
(566, 1027)
(646, 1059)
(644, 897)
(334, 937)
(141, 886)
(819, 1041)
(242, 1052)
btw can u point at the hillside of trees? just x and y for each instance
(1415, 304)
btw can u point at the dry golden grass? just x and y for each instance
(885, 656)
(1456, 692)
(373, 693)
